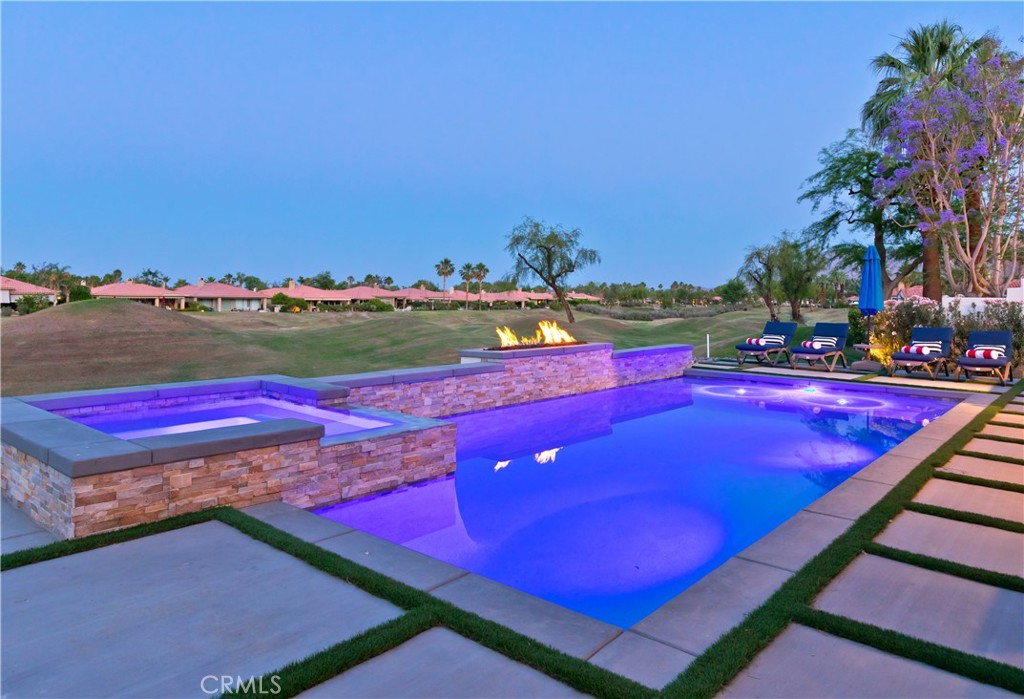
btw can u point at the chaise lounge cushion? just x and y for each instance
(915, 357)
(745, 347)
(984, 363)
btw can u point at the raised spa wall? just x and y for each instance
(76, 481)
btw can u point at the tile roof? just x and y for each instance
(134, 290)
(17, 286)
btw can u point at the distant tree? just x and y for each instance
(467, 273)
(153, 277)
(425, 284)
(480, 273)
(373, 280)
(251, 283)
(350, 280)
(179, 283)
(444, 269)
(114, 277)
(549, 253)
(733, 291)
(323, 280)
(18, 271)
(799, 264)
(760, 268)
(388, 282)
(79, 292)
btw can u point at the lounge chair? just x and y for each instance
(928, 350)
(773, 343)
(828, 342)
(992, 349)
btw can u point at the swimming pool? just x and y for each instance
(612, 503)
(226, 413)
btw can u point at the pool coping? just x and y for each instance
(685, 626)
(28, 424)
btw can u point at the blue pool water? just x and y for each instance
(225, 413)
(612, 503)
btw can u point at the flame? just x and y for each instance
(547, 456)
(548, 333)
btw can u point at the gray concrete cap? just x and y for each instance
(193, 445)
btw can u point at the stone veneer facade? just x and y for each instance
(317, 472)
(525, 379)
(304, 474)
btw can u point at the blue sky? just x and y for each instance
(283, 139)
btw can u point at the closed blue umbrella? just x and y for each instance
(871, 283)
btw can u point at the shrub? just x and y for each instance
(79, 293)
(894, 323)
(6, 311)
(196, 307)
(995, 315)
(373, 306)
(292, 305)
(31, 304)
(858, 327)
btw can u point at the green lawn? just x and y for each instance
(97, 344)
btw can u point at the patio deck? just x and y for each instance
(42, 602)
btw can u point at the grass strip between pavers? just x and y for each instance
(1000, 438)
(941, 565)
(984, 482)
(991, 457)
(10, 561)
(727, 657)
(969, 517)
(573, 671)
(297, 677)
(974, 667)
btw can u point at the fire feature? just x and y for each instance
(548, 333)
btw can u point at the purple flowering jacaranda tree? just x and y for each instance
(955, 153)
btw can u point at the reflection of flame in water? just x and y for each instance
(548, 333)
(547, 456)
(500, 465)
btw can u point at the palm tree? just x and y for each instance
(930, 55)
(445, 268)
(468, 274)
(480, 273)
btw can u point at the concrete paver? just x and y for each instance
(960, 542)
(942, 382)
(807, 663)
(697, 617)
(642, 659)
(892, 468)
(152, 617)
(18, 531)
(850, 499)
(944, 609)
(395, 561)
(441, 663)
(1001, 431)
(986, 468)
(991, 446)
(978, 499)
(296, 521)
(1014, 407)
(1009, 418)
(558, 627)
(796, 541)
